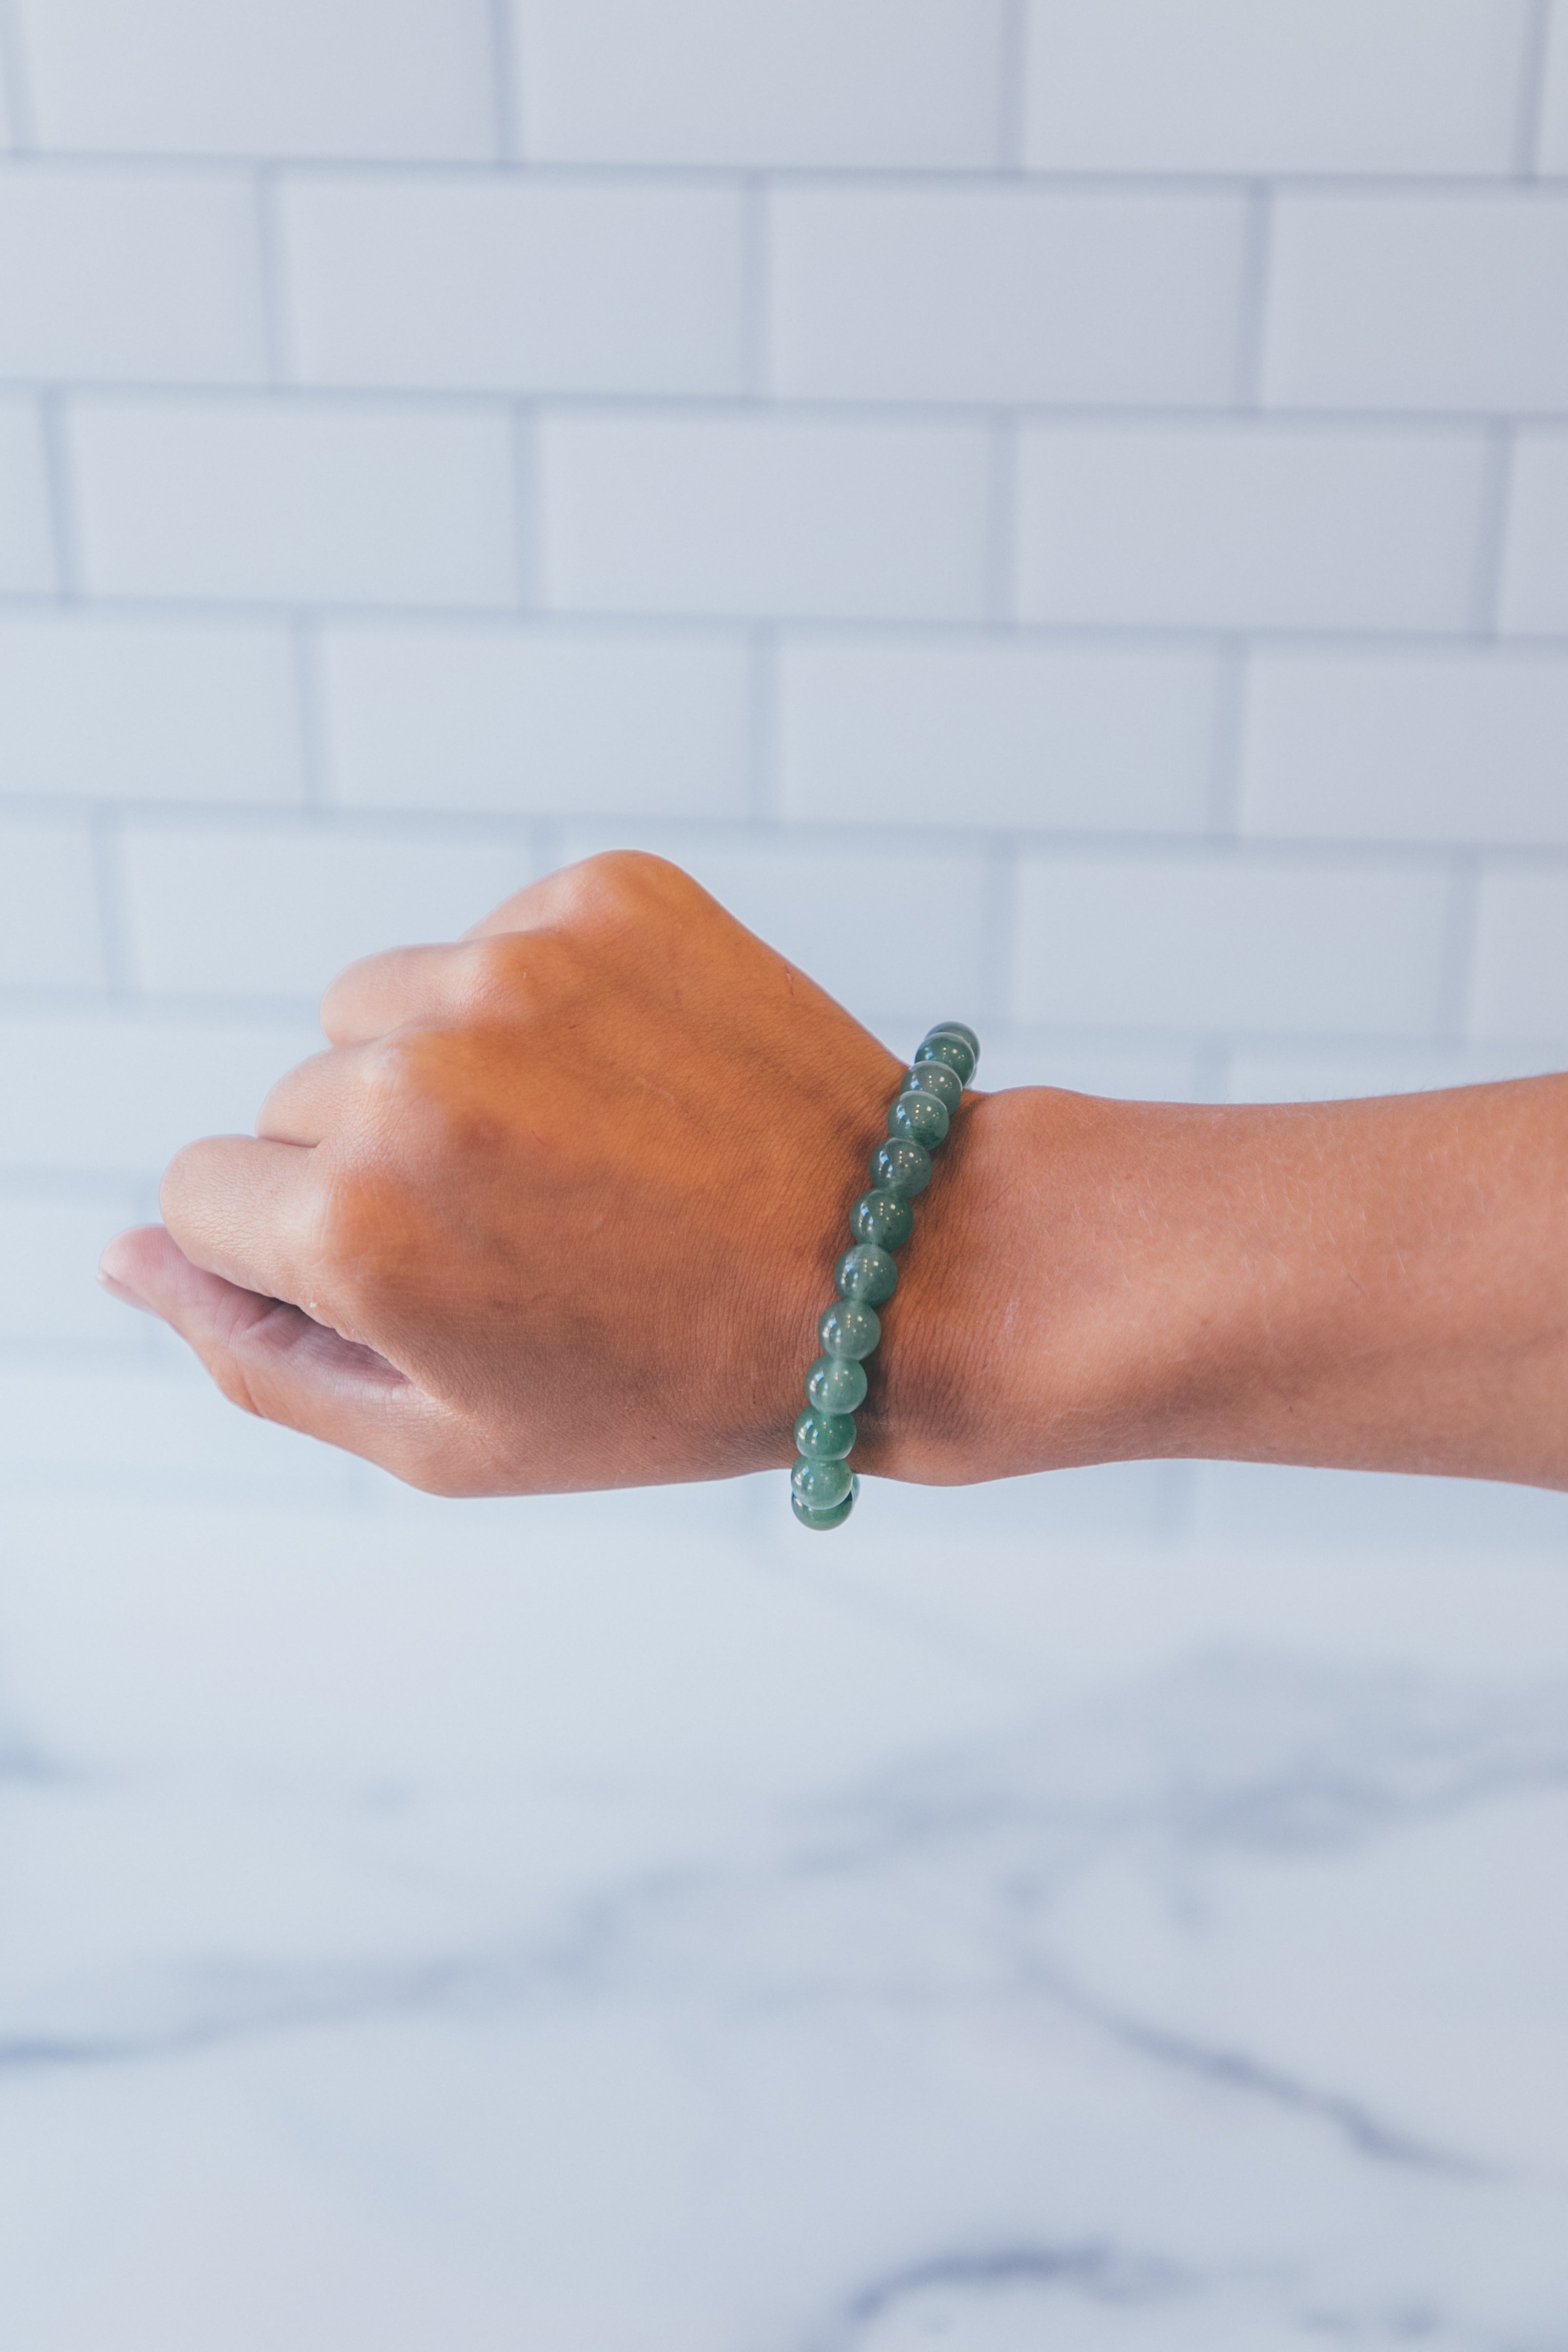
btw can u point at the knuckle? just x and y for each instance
(338, 1223)
(398, 1082)
(284, 1091)
(184, 1181)
(630, 881)
(347, 985)
(617, 889)
(498, 970)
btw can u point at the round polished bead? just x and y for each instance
(836, 1384)
(957, 1029)
(917, 1119)
(884, 1218)
(934, 1078)
(946, 1045)
(849, 1327)
(823, 1436)
(820, 1484)
(865, 1272)
(904, 1167)
(820, 1521)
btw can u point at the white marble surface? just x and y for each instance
(630, 1926)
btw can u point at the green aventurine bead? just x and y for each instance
(823, 1436)
(917, 1119)
(934, 1078)
(946, 1045)
(905, 1167)
(820, 1521)
(836, 1384)
(884, 1218)
(820, 1485)
(849, 1327)
(865, 1272)
(957, 1029)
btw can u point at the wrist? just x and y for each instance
(1058, 1304)
(976, 1377)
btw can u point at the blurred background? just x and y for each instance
(1056, 511)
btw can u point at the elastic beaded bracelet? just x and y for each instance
(823, 1487)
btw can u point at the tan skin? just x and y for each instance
(558, 1206)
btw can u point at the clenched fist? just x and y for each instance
(556, 1209)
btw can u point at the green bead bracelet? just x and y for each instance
(823, 1487)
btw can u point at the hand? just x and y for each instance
(557, 1209)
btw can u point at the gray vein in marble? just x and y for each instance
(1233, 1755)
(1101, 2273)
(1233, 2070)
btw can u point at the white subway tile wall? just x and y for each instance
(1240, 944)
(985, 294)
(472, 283)
(253, 501)
(1225, 85)
(49, 932)
(116, 276)
(1398, 301)
(791, 518)
(1079, 738)
(1551, 104)
(1243, 526)
(27, 533)
(1406, 747)
(1055, 510)
(856, 84)
(96, 707)
(1534, 598)
(275, 912)
(640, 723)
(346, 79)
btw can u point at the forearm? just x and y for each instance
(1370, 1285)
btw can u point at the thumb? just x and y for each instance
(275, 1361)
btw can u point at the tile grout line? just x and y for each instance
(304, 645)
(1340, 855)
(19, 116)
(998, 948)
(527, 510)
(999, 586)
(1491, 533)
(109, 891)
(1455, 969)
(1532, 104)
(1012, 93)
(1252, 298)
(1130, 636)
(1228, 725)
(756, 289)
(761, 724)
(503, 63)
(61, 500)
(1213, 417)
(1166, 180)
(269, 265)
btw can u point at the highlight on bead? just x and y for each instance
(823, 1487)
